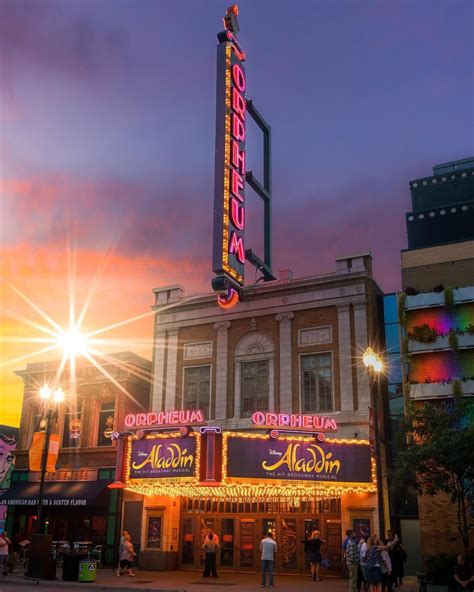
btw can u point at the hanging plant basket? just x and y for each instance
(423, 333)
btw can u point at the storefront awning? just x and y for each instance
(59, 494)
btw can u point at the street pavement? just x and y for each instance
(181, 581)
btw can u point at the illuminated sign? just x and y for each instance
(163, 458)
(229, 183)
(318, 423)
(298, 459)
(164, 418)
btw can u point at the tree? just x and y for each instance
(439, 455)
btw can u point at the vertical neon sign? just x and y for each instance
(229, 181)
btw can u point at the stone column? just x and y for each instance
(157, 401)
(345, 357)
(222, 329)
(172, 351)
(286, 387)
(361, 338)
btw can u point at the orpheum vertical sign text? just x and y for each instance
(229, 186)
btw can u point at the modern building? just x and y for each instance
(440, 229)
(78, 505)
(436, 312)
(259, 420)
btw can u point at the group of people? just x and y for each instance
(374, 565)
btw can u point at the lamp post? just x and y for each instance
(52, 399)
(374, 364)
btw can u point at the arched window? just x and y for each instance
(254, 374)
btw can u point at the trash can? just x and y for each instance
(87, 570)
(71, 566)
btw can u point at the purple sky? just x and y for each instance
(107, 123)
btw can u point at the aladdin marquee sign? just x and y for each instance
(167, 457)
(297, 459)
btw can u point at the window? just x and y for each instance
(316, 383)
(197, 388)
(72, 429)
(254, 387)
(106, 423)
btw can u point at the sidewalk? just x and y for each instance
(185, 581)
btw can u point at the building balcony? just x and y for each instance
(434, 390)
(431, 299)
(465, 341)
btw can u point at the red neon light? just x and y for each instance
(237, 214)
(294, 421)
(238, 77)
(238, 104)
(238, 157)
(237, 246)
(238, 128)
(236, 184)
(228, 301)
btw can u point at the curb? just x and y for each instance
(104, 587)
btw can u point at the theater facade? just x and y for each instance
(259, 420)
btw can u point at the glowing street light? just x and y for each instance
(53, 399)
(369, 357)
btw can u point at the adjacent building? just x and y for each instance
(436, 312)
(78, 504)
(259, 420)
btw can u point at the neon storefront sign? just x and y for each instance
(164, 418)
(320, 423)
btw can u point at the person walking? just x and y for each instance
(210, 546)
(127, 553)
(312, 547)
(268, 547)
(363, 580)
(4, 543)
(352, 560)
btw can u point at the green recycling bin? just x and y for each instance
(87, 570)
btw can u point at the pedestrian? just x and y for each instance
(399, 556)
(352, 560)
(386, 571)
(363, 578)
(343, 555)
(14, 554)
(210, 547)
(268, 547)
(463, 575)
(312, 546)
(374, 562)
(127, 553)
(4, 544)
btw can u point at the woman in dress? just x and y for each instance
(312, 546)
(127, 553)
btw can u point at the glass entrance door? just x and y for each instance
(227, 543)
(247, 544)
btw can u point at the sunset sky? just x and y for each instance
(107, 145)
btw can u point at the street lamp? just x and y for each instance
(374, 364)
(53, 399)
